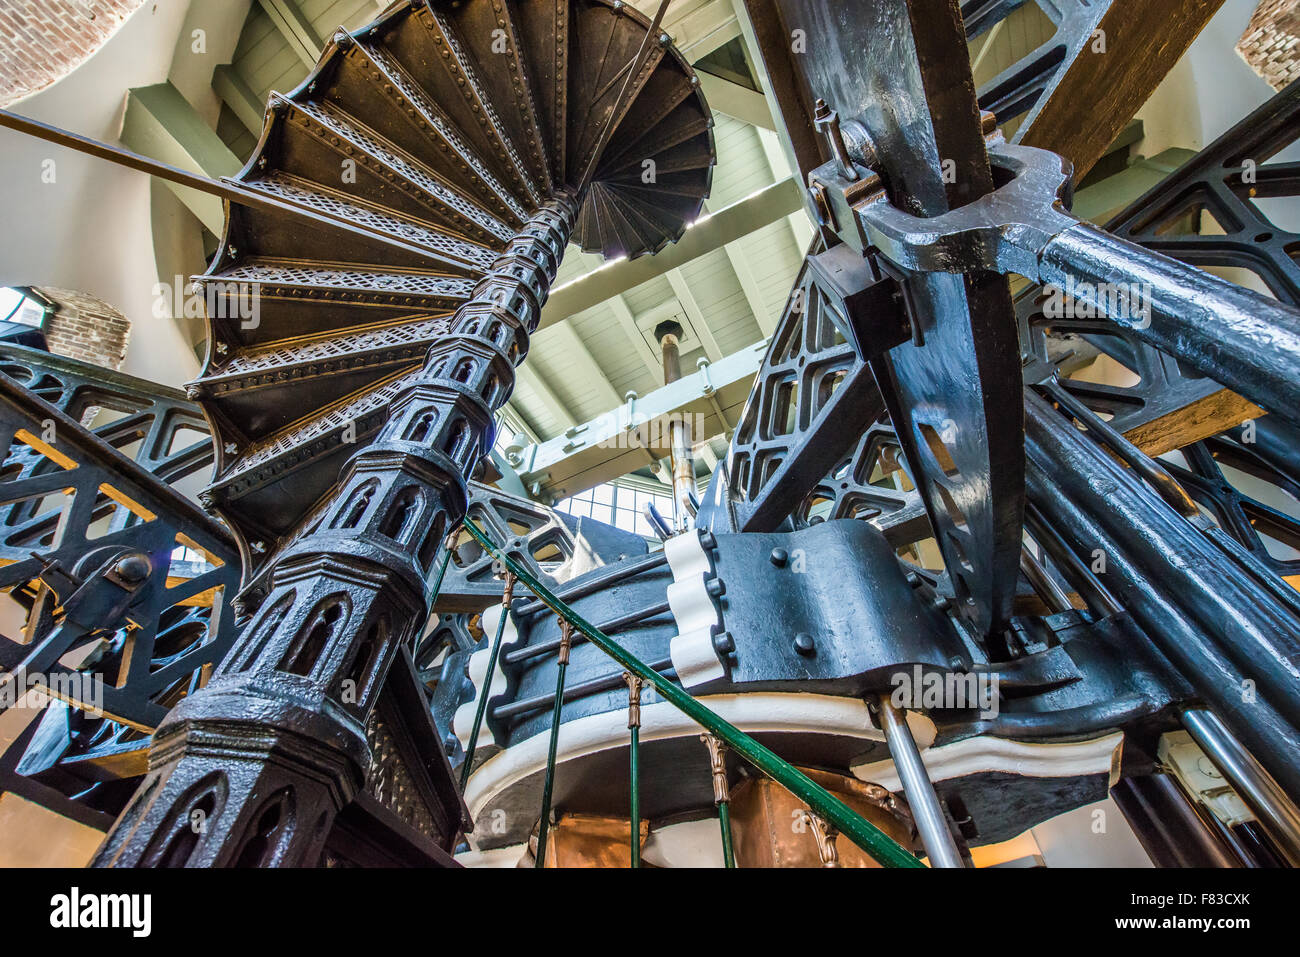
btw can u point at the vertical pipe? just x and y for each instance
(721, 794)
(1277, 814)
(634, 731)
(679, 432)
(921, 796)
(506, 595)
(566, 638)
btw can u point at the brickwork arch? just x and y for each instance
(42, 41)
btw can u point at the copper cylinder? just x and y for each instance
(770, 826)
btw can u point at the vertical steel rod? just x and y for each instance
(917, 786)
(566, 637)
(634, 731)
(1044, 585)
(506, 595)
(1276, 813)
(679, 433)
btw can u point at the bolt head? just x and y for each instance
(779, 557)
(133, 569)
(804, 644)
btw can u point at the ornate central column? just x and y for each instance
(252, 769)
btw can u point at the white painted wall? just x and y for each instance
(1093, 836)
(90, 229)
(1208, 91)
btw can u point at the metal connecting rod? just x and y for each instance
(721, 794)
(634, 752)
(1276, 812)
(1214, 620)
(931, 822)
(507, 595)
(557, 713)
(1246, 341)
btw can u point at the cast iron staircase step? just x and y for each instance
(265, 390)
(390, 167)
(392, 234)
(266, 301)
(370, 72)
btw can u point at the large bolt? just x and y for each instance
(133, 568)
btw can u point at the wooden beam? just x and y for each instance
(682, 290)
(698, 27)
(801, 227)
(239, 96)
(1099, 202)
(767, 45)
(764, 316)
(518, 418)
(1209, 416)
(295, 28)
(736, 101)
(574, 344)
(531, 378)
(161, 124)
(627, 322)
(1114, 70)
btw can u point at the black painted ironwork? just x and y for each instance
(351, 401)
(384, 370)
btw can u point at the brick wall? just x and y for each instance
(42, 41)
(85, 328)
(1271, 43)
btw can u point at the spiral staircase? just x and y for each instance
(397, 172)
